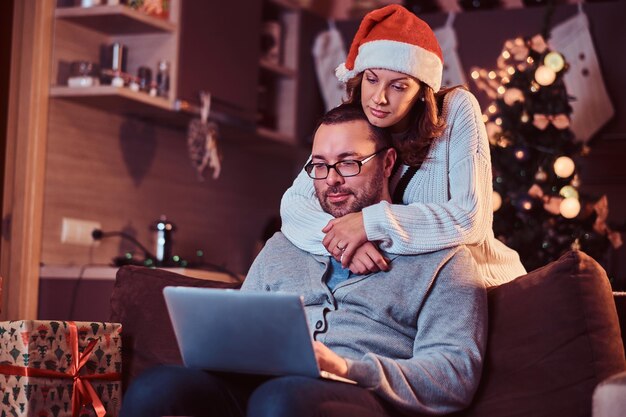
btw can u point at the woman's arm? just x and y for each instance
(423, 227)
(302, 216)
(458, 179)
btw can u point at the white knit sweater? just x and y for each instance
(446, 203)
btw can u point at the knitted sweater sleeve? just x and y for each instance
(464, 215)
(443, 374)
(302, 216)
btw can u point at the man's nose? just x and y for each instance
(333, 177)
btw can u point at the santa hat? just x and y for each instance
(393, 38)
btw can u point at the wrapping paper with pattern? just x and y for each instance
(37, 363)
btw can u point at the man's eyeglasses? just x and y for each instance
(347, 168)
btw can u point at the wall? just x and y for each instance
(125, 173)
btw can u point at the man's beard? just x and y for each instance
(371, 193)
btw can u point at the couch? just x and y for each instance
(554, 336)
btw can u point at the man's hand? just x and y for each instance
(366, 260)
(344, 235)
(329, 361)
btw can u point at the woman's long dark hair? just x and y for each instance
(427, 122)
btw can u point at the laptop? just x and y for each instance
(243, 331)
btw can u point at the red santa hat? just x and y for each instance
(393, 38)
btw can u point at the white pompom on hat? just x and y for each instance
(395, 39)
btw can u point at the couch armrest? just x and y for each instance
(147, 334)
(609, 397)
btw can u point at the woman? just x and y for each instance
(442, 189)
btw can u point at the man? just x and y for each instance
(412, 338)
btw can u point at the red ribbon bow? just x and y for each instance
(83, 392)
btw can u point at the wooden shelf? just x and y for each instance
(124, 101)
(115, 20)
(277, 69)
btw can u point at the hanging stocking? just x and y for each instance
(202, 141)
(592, 107)
(328, 52)
(453, 73)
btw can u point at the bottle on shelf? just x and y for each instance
(163, 78)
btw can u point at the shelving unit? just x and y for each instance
(278, 75)
(81, 32)
(117, 19)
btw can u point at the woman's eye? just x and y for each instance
(370, 80)
(398, 87)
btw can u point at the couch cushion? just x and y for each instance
(553, 336)
(147, 334)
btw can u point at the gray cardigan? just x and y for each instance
(415, 335)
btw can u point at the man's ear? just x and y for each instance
(390, 157)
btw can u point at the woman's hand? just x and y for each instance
(366, 260)
(329, 361)
(344, 235)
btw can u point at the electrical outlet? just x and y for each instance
(78, 232)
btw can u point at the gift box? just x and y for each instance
(60, 369)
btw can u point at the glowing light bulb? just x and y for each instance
(569, 192)
(554, 60)
(511, 70)
(564, 166)
(545, 75)
(496, 201)
(513, 95)
(492, 108)
(506, 54)
(492, 75)
(570, 207)
(501, 89)
(475, 74)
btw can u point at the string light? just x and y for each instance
(564, 166)
(545, 76)
(496, 201)
(570, 207)
(569, 192)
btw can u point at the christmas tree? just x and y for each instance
(539, 209)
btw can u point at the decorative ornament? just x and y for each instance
(564, 166)
(541, 175)
(518, 49)
(559, 121)
(512, 96)
(544, 75)
(538, 43)
(202, 141)
(496, 201)
(570, 207)
(601, 207)
(569, 192)
(554, 61)
(524, 118)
